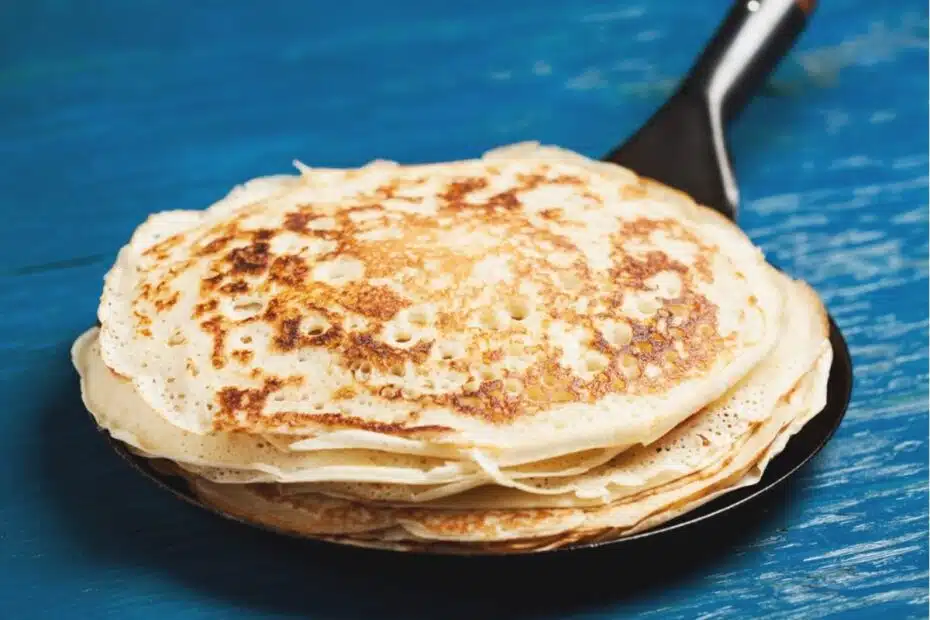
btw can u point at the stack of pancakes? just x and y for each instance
(513, 353)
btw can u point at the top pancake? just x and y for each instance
(505, 303)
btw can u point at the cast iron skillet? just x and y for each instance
(683, 145)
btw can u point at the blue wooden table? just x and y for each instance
(113, 109)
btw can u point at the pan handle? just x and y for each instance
(684, 143)
(747, 46)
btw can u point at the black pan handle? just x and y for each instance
(744, 51)
(684, 143)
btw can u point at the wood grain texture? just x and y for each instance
(110, 110)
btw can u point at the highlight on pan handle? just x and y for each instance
(744, 51)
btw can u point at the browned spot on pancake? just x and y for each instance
(387, 190)
(205, 308)
(530, 181)
(180, 268)
(393, 190)
(249, 402)
(161, 296)
(489, 402)
(297, 222)
(289, 270)
(217, 330)
(243, 356)
(359, 348)
(702, 267)
(161, 249)
(599, 343)
(377, 302)
(235, 287)
(337, 420)
(643, 228)
(288, 336)
(505, 200)
(252, 259)
(344, 392)
(286, 319)
(494, 355)
(274, 309)
(208, 284)
(458, 190)
(240, 407)
(163, 304)
(215, 246)
(327, 338)
(552, 215)
(631, 273)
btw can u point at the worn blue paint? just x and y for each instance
(110, 110)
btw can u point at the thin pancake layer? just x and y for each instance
(242, 458)
(544, 526)
(706, 438)
(116, 407)
(527, 306)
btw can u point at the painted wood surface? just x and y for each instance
(110, 110)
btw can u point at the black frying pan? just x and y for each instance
(684, 145)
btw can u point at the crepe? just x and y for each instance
(508, 354)
(527, 308)
(708, 437)
(598, 478)
(314, 514)
(399, 539)
(243, 458)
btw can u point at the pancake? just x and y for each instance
(707, 437)
(521, 308)
(410, 528)
(114, 404)
(509, 354)
(242, 458)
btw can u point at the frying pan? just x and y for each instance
(684, 146)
